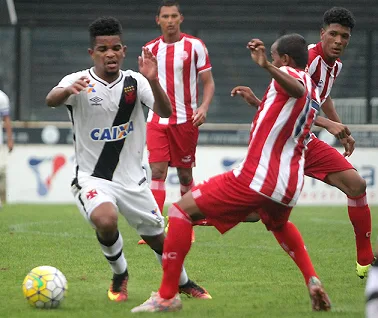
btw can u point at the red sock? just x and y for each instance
(176, 246)
(359, 215)
(158, 190)
(184, 188)
(291, 241)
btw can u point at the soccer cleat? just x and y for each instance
(157, 304)
(318, 296)
(362, 270)
(118, 288)
(141, 242)
(192, 290)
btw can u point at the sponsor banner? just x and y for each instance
(43, 174)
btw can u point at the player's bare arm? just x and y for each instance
(8, 130)
(148, 68)
(329, 109)
(58, 95)
(199, 115)
(291, 85)
(247, 94)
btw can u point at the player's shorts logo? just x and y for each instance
(112, 133)
(186, 159)
(91, 194)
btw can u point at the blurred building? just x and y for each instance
(51, 40)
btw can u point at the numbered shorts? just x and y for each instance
(226, 201)
(175, 144)
(136, 204)
(321, 159)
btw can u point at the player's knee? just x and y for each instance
(185, 176)
(357, 188)
(105, 223)
(158, 173)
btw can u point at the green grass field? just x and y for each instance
(245, 270)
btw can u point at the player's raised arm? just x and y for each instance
(58, 95)
(291, 85)
(148, 68)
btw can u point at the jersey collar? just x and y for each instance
(105, 83)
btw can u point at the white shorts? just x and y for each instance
(137, 203)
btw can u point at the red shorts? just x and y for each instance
(322, 159)
(226, 201)
(175, 144)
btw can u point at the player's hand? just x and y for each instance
(339, 130)
(148, 64)
(257, 48)
(348, 144)
(247, 94)
(199, 116)
(10, 145)
(78, 86)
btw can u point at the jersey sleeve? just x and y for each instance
(292, 72)
(145, 92)
(203, 60)
(4, 104)
(67, 81)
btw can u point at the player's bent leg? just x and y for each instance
(354, 186)
(104, 219)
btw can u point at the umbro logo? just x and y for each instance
(96, 101)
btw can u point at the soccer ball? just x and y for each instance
(44, 287)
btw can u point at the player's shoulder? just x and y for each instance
(136, 75)
(314, 50)
(4, 99)
(153, 41)
(192, 38)
(78, 74)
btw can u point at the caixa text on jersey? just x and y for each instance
(112, 133)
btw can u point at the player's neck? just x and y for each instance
(172, 38)
(105, 77)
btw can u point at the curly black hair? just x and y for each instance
(340, 16)
(295, 46)
(104, 26)
(168, 3)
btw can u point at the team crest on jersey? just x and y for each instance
(130, 94)
(112, 133)
(184, 56)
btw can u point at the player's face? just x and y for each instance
(108, 54)
(335, 39)
(169, 20)
(276, 59)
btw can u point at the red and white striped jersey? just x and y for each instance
(274, 164)
(322, 73)
(179, 64)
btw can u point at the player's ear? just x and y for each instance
(157, 20)
(181, 18)
(124, 50)
(322, 31)
(285, 59)
(90, 51)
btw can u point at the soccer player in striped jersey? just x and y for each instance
(269, 180)
(182, 60)
(323, 162)
(105, 107)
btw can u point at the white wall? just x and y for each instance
(43, 174)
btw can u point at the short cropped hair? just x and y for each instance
(104, 26)
(168, 3)
(295, 46)
(340, 16)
